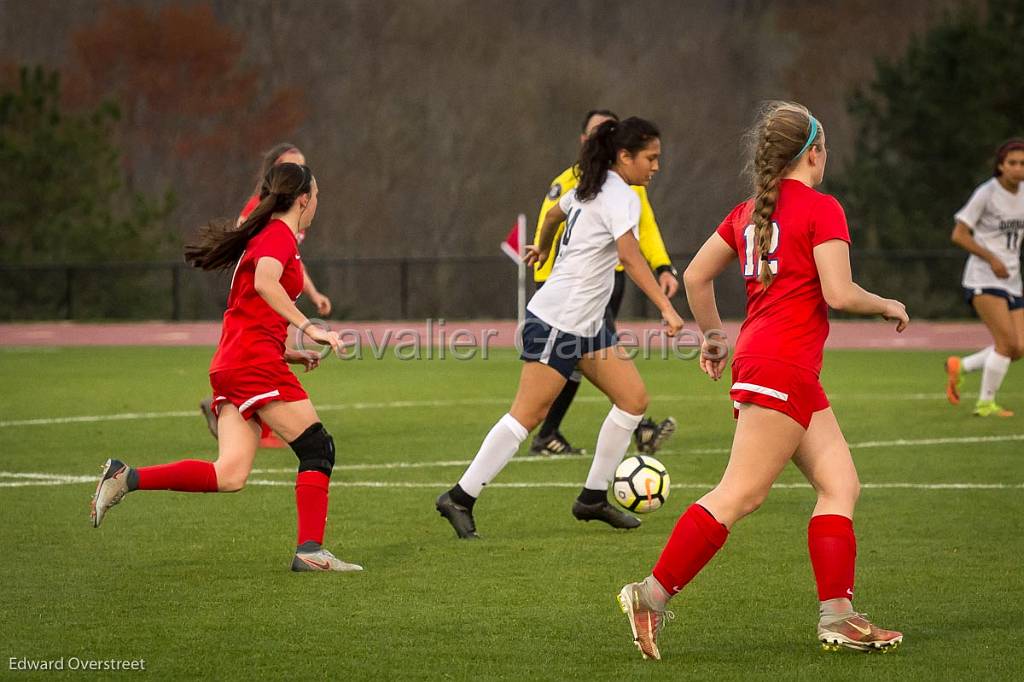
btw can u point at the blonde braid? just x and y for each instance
(768, 169)
(777, 139)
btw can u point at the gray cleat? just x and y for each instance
(310, 556)
(113, 486)
(206, 407)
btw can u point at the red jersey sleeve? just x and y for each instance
(253, 202)
(828, 221)
(275, 241)
(727, 230)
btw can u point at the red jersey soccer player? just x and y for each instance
(249, 375)
(793, 248)
(285, 152)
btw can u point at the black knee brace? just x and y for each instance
(315, 449)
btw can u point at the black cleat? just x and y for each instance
(555, 444)
(650, 436)
(603, 511)
(457, 515)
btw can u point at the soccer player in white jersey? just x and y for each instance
(565, 327)
(991, 228)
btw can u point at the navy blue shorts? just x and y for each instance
(1013, 302)
(559, 350)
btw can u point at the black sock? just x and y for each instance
(588, 496)
(461, 497)
(133, 479)
(556, 413)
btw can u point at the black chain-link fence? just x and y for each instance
(408, 288)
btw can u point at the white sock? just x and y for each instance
(498, 448)
(612, 442)
(975, 361)
(992, 376)
(831, 610)
(656, 595)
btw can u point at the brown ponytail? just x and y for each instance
(220, 244)
(778, 138)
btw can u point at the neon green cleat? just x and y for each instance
(989, 408)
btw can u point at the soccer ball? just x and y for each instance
(641, 484)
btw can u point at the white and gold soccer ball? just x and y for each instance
(641, 484)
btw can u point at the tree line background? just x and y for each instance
(431, 123)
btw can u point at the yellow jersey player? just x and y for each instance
(649, 435)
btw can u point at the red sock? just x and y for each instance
(311, 492)
(694, 540)
(833, 549)
(265, 431)
(188, 475)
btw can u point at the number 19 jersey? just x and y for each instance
(788, 320)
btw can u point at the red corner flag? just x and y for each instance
(511, 244)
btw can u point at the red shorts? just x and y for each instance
(779, 386)
(250, 388)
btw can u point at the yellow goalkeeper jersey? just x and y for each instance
(651, 244)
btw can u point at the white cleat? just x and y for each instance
(312, 557)
(113, 486)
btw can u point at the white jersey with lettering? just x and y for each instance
(996, 217)
(577, 291)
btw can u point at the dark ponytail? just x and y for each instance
(601, 150)
(220, 244)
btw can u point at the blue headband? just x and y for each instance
(810, 138)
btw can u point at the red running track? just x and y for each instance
(500, 333)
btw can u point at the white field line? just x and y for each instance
(698, 486)
(901, 443)
(41, 479)
(34, 478)
(424, 404)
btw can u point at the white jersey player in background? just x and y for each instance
(991, 227)
(565, 326)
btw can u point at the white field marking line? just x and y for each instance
(39, 479)
(699, 486)
(469, 402)
(372, 466)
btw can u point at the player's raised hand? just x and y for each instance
(672, 321)
(534, 255)
(894, 310)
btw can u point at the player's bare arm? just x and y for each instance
(539, 252)
(637, 269)
(319, 300)
(268, 286)
(832, 259)
(699, 279)
(963, 237)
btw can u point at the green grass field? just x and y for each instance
(198, 586)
